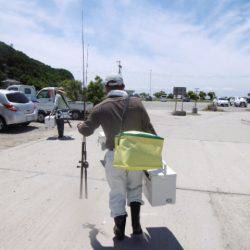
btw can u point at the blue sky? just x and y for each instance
(204, 44)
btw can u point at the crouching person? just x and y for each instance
(125, 186)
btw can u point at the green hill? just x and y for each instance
(16, 65)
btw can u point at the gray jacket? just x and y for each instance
(59, 103)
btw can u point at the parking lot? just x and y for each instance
(16, 135)
(210, 152)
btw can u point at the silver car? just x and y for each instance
(15, 108)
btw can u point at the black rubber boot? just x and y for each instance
(135, 216)
(119, 228)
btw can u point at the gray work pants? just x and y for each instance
(124, 185)
(60, 127)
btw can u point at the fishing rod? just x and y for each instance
(83, 162)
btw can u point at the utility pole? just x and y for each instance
(195, 109)
(119, 67)
(150, 81)
(196, 93)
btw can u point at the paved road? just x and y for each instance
(17, 135)
(39, 186)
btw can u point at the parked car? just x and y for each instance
(45, 103)
(16, 108)
(149, 98)
(28, 91)
(186, 99)
(221, 101)
(238, 102)
(163, 98)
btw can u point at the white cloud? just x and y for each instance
(63, 4)
(178, 52)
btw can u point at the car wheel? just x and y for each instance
(75, 115)
(2, 124)
(40, 117)
(242, 104)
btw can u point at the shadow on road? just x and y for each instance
(156, 238)
(65, 138)
(19, 129)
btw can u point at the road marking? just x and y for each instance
(211, 191)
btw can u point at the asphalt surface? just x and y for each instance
(39, 185)
(16, 135)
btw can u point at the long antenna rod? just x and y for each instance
(87, 65)
(84, 164)
(83, 55)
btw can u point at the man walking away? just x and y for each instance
(60, 104)
(124, 185)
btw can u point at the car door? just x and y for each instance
(45, 100)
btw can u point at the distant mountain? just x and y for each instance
(16, 65)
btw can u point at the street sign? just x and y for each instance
(179, 91)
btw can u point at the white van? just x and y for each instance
(29, 91)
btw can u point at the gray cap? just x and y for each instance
(113, 80)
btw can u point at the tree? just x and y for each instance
(248, 94)
(160, 93)
(73, 89)
(16, 65)
(192, 95)
(211, 95)
(143, 95)
(170, 96)
(202, 95)
(95, 91)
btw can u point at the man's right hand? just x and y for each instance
(79, 126)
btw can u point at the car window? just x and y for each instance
(13, 88)
(17, 98)
(27, 91)
(43, 94)
(1, 100)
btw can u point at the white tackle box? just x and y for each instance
(102, 140)
(50, 122)
(159, 186)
